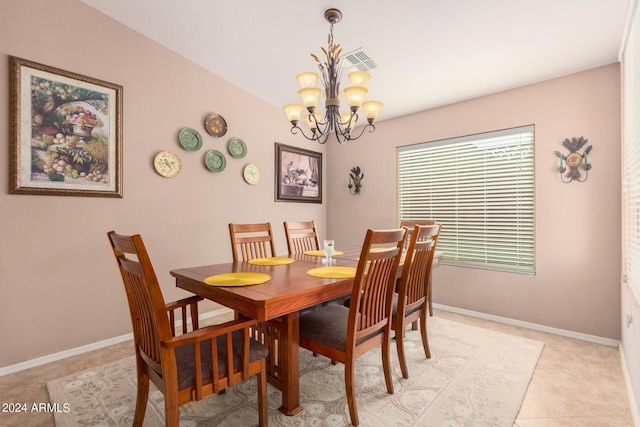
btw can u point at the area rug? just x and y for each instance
(475, 377)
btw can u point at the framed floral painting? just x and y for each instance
(66, 132)
(298, 175)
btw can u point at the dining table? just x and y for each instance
(276, 305)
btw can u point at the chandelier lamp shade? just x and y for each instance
(341, 124)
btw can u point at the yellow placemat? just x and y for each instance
(321, 253)
(237, 279)
(332, 272)
(271, 261)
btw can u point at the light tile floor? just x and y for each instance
(575, 384)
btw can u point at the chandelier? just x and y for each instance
(341, 124)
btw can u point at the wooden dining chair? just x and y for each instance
(301, 237)
(410, 302)
(344, 334)
(410, 223)
(189, 366)
(252, 241)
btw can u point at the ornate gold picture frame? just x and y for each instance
(66, 132)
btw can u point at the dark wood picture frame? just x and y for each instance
(66, 132)
(298, 175)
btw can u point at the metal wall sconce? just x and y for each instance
(355, 180)
(574, 160)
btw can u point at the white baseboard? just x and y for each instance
(562, 332)
(11, 369)
(632, 399)
(63, 354)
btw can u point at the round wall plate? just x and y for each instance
(251, 174)
(237, 148)
(167, 164)
(190, 139)
(215, 124)
(215, 161)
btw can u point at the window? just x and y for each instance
(481, 189)
(631, 154)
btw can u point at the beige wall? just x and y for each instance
(59, 285)
(577, 283)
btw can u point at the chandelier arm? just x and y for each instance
(293, 131)
(319, 135)
(345, 135)
(353, 117)
(312, 117)
(368, 125)
(322, 138)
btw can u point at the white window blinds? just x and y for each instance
(481, 189)
(631, 153)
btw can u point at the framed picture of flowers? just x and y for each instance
(66, 132)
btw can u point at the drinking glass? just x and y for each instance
(328, 251)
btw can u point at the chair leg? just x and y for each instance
(423, 333)
(400, 346)
(386, 359)
(351, 394)
(261, 378)
(171, 408)
(141, 399)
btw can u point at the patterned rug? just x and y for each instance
(475, 377)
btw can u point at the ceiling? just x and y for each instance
(428, 53)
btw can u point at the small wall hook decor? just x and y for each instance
(355, 180)
(574, 160)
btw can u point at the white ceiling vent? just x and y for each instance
(360, 60)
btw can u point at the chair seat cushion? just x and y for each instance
(186, 361)
(326, 325)
(394, 306)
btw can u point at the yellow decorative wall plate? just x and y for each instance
(251, 174)
(167, 164)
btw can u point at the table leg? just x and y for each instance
(290, 358)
